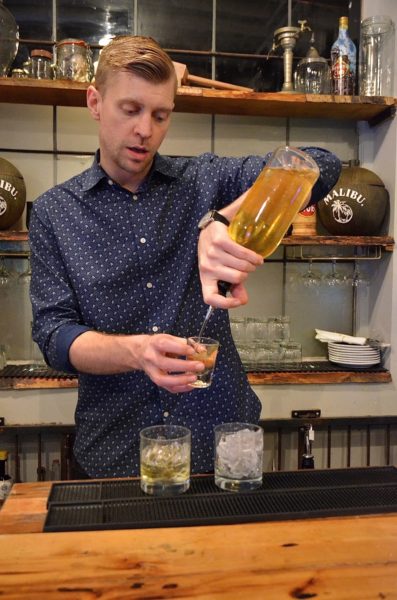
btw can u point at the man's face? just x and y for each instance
(134, 117)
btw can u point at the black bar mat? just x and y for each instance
(291, 495)
(91, 491)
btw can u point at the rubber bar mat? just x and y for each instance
(33, 371)
(214, 508)
(125, 489)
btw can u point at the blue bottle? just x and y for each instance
(343, 62)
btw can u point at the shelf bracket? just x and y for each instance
(388, 113)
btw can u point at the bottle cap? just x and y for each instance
(344, 22)
(3, 454)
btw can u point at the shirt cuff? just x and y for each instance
(65, 337)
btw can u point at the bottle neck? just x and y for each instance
(343, 33)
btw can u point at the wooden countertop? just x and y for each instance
(336, 558)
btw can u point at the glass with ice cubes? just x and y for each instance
(238, 456)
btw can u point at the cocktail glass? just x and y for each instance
(206, 350)
(238, 456)
(165, 459)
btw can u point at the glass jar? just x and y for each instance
(376, 66)
(313, 76)
(74, 60)
(9, 39)
(291, 352)
(41, 64)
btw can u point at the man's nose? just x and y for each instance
(143, 126)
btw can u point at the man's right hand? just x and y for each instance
(162, 359)
(161, 356)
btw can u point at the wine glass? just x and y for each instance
(311, 278)
(358, 279)
(334, 278)
(5, 275)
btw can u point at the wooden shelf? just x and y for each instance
(209, 101)
(385, 241)
(269, 378)
(279, 378)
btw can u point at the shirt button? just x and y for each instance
(143, 240)
(110, 182)
(134, 197)
(149, 285)
(155, 328)
(166, 413)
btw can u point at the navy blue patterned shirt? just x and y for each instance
(109, 260)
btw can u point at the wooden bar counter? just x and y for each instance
(332, 559)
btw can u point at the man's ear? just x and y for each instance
(93, 102)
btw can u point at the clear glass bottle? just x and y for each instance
(271, 204)
(5, 479)
(376, 64)
(9, 39)
(343, 62)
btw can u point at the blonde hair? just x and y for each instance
(139, 55)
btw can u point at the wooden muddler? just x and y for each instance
(184, 78)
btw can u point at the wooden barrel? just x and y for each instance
(357, 205)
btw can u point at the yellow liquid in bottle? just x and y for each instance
(270, 207)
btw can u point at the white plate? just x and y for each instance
(350, 355)
(355, 362)
(355, 365)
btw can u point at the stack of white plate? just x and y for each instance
(351, 355)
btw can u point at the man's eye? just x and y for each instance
(161, 118)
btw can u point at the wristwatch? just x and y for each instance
(210, 216)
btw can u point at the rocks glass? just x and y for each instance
(238, 456)
(165, 459)
(206, 350)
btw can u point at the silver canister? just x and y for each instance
(376, 64)
(74, 60)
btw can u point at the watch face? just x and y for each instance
(206, 220)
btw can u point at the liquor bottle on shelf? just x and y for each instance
(5, 479)
(343, 62)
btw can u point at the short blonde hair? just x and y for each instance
(141, 56)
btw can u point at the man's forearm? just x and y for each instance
(105, 354)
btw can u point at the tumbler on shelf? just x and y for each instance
(376, 66)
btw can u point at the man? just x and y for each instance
(115, 279)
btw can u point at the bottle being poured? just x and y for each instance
(280, 191)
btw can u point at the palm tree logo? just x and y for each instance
(3, 206)
(342, 212)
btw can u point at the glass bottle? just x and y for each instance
(376, 65)
(9, 39)
(343, 62)
(5, 479)
(271, 204)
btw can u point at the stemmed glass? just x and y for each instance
(5, 275)
(358, 278)
(335, 278)
(310, 278)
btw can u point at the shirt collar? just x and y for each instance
(162, 164)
